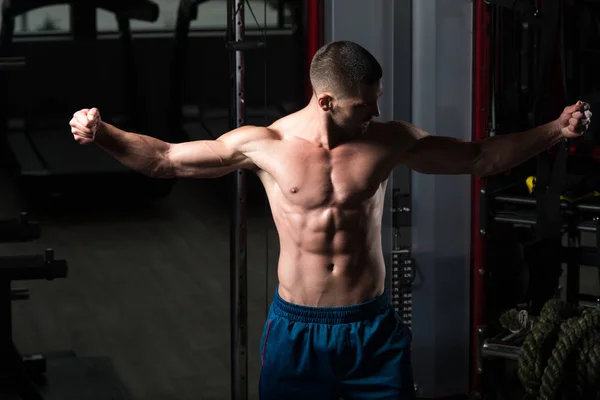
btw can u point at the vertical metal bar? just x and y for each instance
(573, 267)
(238, 287)
(180, 47)
(83, 20)
(280, 14)
(25, 23)
(130, 72)
(597, 263)
(314, 37)
(7, 32)
(6, 339)
(481, 103)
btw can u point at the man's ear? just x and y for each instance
(325, 101)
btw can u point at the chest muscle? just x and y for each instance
(311, 177)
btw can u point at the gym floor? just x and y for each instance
(148, 287)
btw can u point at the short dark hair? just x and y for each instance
(342, 66)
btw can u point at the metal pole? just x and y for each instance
(500, 350)
(238, 287)
(12, 63)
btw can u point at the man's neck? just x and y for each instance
(321, 130)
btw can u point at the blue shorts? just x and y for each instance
(355, 352)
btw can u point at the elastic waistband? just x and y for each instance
(330, 315)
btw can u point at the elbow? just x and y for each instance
(162, 166)
(484, 164)
(161, 171)
(480, 171)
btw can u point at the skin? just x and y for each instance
(325, 170)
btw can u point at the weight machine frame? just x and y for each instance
(496, 202)
(237, 45)
(236, 29)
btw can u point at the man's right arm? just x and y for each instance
(159, 159)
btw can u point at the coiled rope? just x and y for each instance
(562, 351)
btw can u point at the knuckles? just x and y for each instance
(82, 129)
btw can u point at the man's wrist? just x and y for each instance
(555, 131)
(100, 131)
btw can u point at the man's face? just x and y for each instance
(353, 113)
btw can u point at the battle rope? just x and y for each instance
(562, 350)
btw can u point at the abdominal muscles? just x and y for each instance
(327, 207)
(330, 256)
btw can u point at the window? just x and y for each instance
(211, 15)
(46, 20)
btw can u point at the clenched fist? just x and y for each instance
(575, 119)
(84, 125)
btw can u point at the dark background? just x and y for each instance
(148, 282)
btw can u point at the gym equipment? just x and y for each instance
(213, 121)
(577, 188)
(481, 129)
(556, 352)
(238, 232)
(511, 213)
(11, 63)
(15, 368)
(511, 250)
(525, 215)
(7, 64)
(401, 274)
(539, 369)
(44, 157)
(53, 375)
(237, 45)
(19, 229)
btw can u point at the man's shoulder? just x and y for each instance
(386, 131)
(286, 126)
(389, 127)
(395, 136)
(267, 133)
(253, 133)
(395, 130)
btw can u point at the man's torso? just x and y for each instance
(327, 205)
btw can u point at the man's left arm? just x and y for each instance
(430, 154)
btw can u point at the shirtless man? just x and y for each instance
(330, 332)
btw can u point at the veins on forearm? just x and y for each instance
(502, 152)
(138, 152)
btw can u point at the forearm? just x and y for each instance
(141, 153)
(503, 152)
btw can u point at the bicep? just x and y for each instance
(211, 158)
(430, 154)
(442, 155)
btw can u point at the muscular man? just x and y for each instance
(330, 332)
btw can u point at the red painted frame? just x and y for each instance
(314, 36)
(481, 104)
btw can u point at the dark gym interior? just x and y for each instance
(539, 281)
(143, 312)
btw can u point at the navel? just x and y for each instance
(294, 189)
(330, 267)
